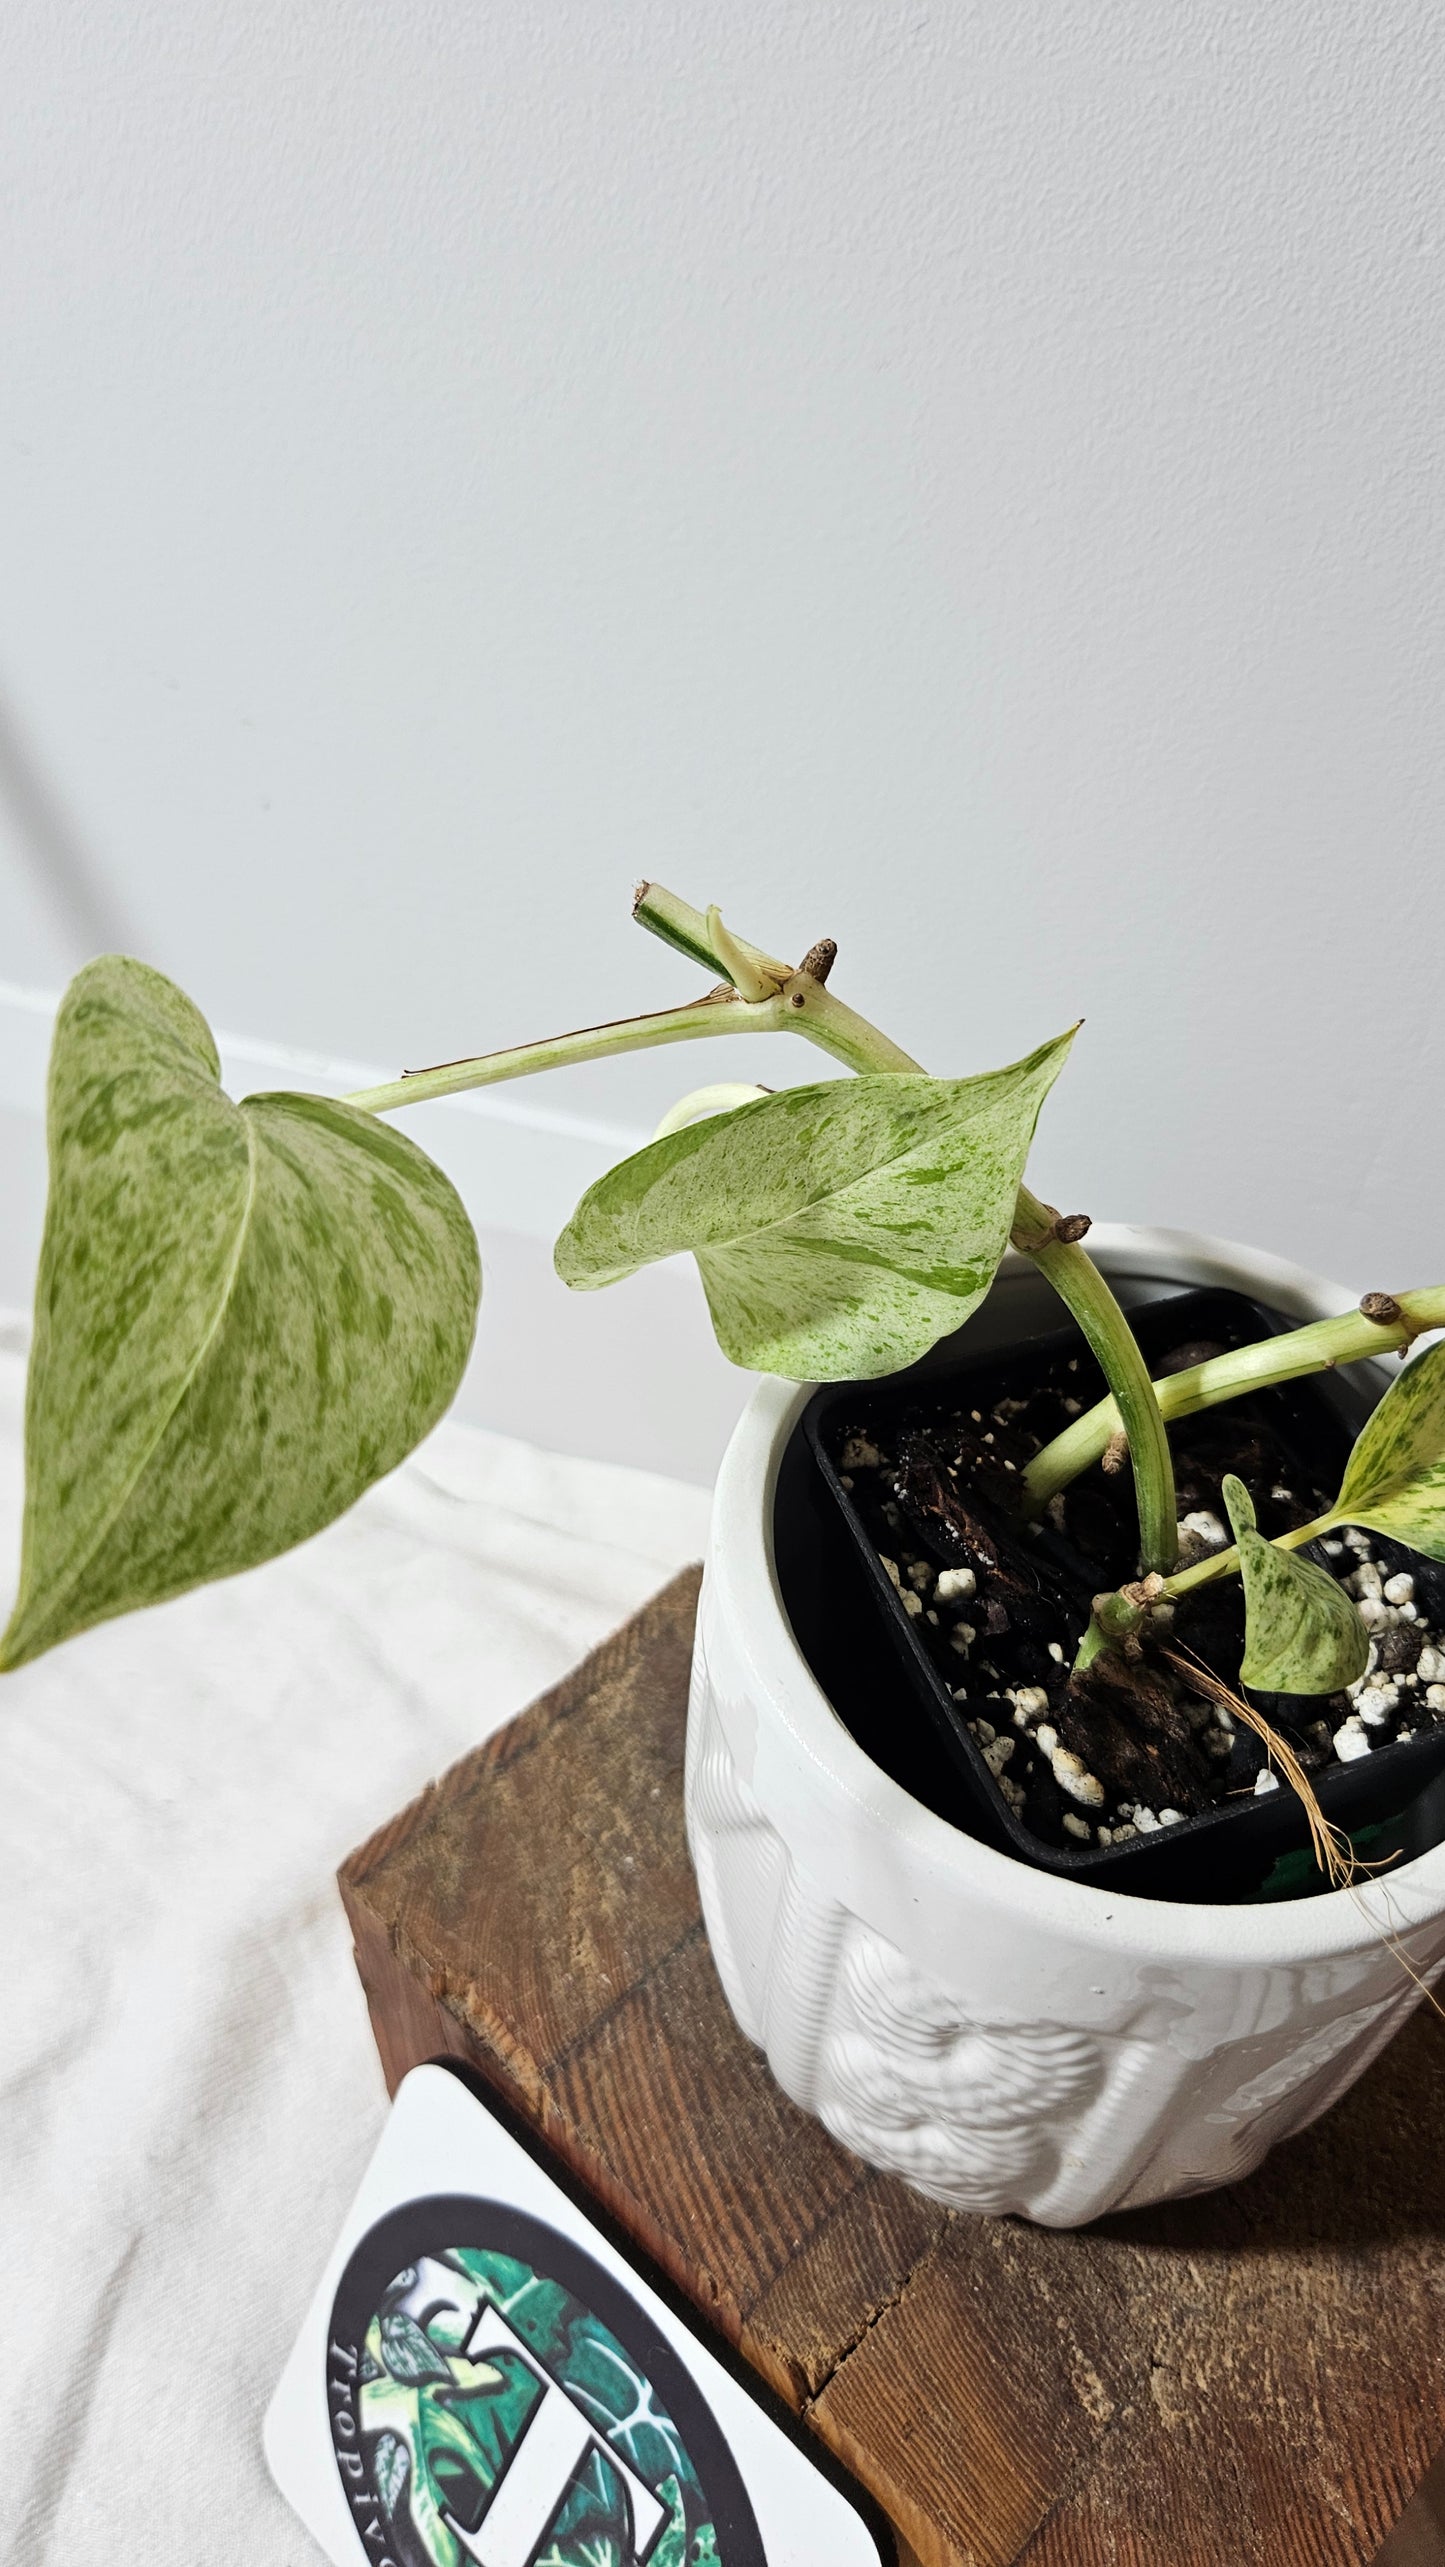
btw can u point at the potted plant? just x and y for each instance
(247, 1312)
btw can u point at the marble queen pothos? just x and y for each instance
(246, 1312)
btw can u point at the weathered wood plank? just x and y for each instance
(1252, 2379)
(1294, 2339)
(510, 1889)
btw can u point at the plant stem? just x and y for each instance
(721, 1015)
(1223, 1564)
(800, 1004)
(1219, 1564)
(686, 930)
(1075, 1277)
(1316, 1348)
(1078, 1282)
(807, 1007)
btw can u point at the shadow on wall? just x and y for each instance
(633, 1377)
(65, 874)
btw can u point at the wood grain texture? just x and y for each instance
(1250, 2378)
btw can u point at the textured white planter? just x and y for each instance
(1005, 2039)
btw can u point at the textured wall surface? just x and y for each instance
(963, 479)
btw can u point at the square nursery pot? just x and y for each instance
(1013, 2026)
(1290, 1442)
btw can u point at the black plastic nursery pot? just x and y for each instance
(888, 1670)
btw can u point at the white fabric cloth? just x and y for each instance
(188, 2085)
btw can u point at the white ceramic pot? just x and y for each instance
(1003, 2038)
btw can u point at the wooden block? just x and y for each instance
(1250, 2378)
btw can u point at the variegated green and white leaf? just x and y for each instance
(1303, 1633)
(840, 1229)
(244, 1313)
(408, 2351)
(391, 2465)
(1395, 1478)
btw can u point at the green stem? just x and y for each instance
(686, 930)
(1078, 1282)
(801, 1004)
(705, 1016)
(1223, 1564)
(1323, 1344)
(1112, 1619)
(1114, 1615)
(806, 1006)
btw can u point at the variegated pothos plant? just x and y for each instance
(247, 1312)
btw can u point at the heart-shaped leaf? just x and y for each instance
(408, 2351)
(1395, 1477)
(244, 1313)
(1303, 1633)
(391, 2467)
(841, 1229)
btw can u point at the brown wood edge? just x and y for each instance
(450, 2019)
(1416, 2519)
(891, 2300)
(1418, 2538)
(440, 2027)
(1415, 2538)
(524, 1734)
(916, 2534)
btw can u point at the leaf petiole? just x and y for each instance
(720, 1014)
(1225, 1564)
(798, 1002)
(1080, 1285)
(1394, 1482)
(1350, 1339)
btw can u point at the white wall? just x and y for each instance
(964, 479)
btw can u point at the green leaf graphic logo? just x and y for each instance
(496, 2397)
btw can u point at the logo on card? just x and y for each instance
(496, 2396)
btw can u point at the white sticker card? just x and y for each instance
(484, 2376)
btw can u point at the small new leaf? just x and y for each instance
(1395, 1478)
(244, 1313)
(1303, 1633)
(840, 1229)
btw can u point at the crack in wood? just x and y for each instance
(535, 1911)
(572, 2051)
(861, 2334)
